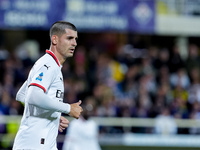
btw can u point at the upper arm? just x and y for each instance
(43, 77)
(22, 93)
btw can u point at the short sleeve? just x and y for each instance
(43, 77)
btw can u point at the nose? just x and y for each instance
(74, 43)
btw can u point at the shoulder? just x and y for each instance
(47, 63)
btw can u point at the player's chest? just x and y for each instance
(57, 87)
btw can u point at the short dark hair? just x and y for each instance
(58, 28)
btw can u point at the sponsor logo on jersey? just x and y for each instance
(47, 66)
(40, 76)
(59, 94)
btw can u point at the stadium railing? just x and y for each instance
(126, 139)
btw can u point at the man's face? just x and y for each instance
(67, 43)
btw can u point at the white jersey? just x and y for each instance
(39, 127)
(82, 135)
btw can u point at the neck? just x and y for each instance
(60, 58)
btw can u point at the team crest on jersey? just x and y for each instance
(40, 76)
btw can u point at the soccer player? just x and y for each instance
(83, 131)
(43, 93)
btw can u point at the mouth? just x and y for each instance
(71, 50)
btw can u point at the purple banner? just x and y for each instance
(30, 13)
(87, 15)
(142, 16)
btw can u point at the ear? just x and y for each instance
(54, 39)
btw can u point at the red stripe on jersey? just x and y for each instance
(52, 54)
(35, 84)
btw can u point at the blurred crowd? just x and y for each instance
(119, 80)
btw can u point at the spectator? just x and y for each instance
(194, 89)
(193, 57)
(181, 78)
(175, 61)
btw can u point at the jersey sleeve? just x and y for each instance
(22, 93)
(43, 77)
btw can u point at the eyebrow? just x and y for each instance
(69, 36)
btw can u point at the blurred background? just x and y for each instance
(136, 67)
